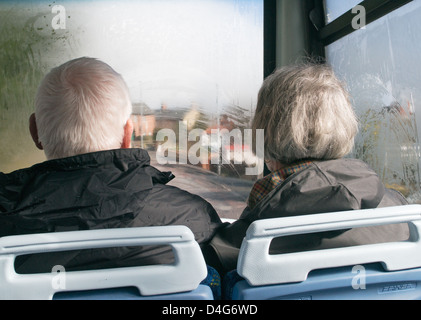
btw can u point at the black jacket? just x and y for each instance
(326, 186)
(110, 189)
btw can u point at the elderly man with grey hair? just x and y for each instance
(310, 127)
(93, 179)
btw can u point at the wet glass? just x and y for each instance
(380, 64)
(193, 69)
(334, 8)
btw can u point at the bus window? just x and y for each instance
(380, 64)
(334, 9)
(193, 69)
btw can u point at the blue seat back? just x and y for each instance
(362, 282)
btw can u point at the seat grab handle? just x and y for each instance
(186, 274)
(260, 268)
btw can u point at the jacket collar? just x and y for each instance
(127, 170)
(324, 186)
(121, 159)
(265, 185)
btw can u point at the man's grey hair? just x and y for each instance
(306, 114)
(81, 106)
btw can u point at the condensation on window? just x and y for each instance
(381, 67)
(23, 43)
(191, 66)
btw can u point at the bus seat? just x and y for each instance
(373, 272)
(181, 281)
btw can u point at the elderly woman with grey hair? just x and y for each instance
(309, 127)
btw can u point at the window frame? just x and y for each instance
(311, 19)
(342, 26)
(318, 33)
(269, 37)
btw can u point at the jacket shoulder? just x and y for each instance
(393, 198)
(171, 205)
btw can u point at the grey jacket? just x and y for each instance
(325, 186)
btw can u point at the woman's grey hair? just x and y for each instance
(306, 114)
(81, 106)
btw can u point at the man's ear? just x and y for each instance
(34, 131)
(128, 131)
